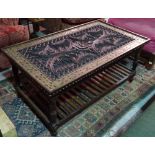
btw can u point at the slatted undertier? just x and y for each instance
(86, 93)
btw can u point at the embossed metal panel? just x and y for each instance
(61, 58)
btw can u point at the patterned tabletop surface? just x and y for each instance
(61, 58)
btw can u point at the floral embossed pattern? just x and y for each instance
(63, 55)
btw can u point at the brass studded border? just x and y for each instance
(50, 85)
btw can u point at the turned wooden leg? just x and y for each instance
(16, 75)
(53, 115)
(134, 65)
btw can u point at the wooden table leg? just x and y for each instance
(16, 75)
(135, 61)
(53, 115)
(135, 64)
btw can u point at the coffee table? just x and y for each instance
(61, 74)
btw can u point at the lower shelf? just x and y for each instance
(73, 101)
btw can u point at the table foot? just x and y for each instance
(53, 130)
(131, 77)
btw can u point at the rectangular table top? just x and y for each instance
(60, 58)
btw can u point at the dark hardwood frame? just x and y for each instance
(47, 112)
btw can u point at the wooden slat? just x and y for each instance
(120, 70)
(74, 97)
(80, 96)
(123, 68)
(61, 114)
(103, 82)
(65, 106)
(87, 93)
(67, 101)
(71, 100)
(92, 85)
(62, 98)
(98, 83)
(77, 98)
(117, 74)
(84, 86)
(113, 74)
(108, 77)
